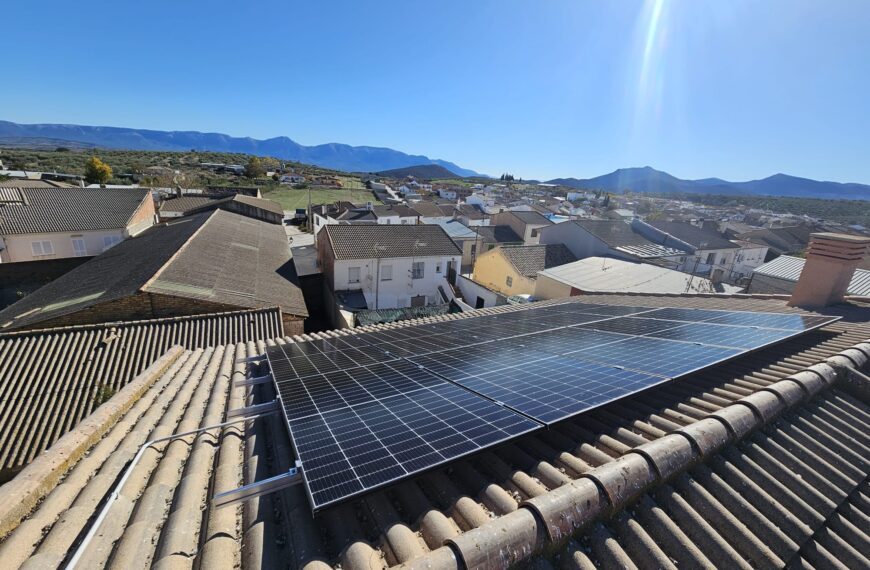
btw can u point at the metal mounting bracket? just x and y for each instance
(258, 489)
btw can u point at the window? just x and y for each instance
(43, 247)
(353, 274)
(711, 258)
(509, 281)
(473, 248)
(79, 247)
(386, 272)
(535, 232)
(438, 267)
(110, 241)
(417, 270)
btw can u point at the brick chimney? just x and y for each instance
(831, 262)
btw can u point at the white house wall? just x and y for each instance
(18, 247)
(397, 292)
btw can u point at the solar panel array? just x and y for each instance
(370, 409)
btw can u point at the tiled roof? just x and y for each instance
(29, 183)
(529, 259)
(789, 268)
(430, 210)
(789, 239)
(497, 234)
(615, 233)
(753, 463)
(394, 210)
(53, 378)
(385, 241)
(219, 256)
(185, 204)
(695, 236)
(48, 210)
(533, 218)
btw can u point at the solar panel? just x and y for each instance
(359, 429)
(369, 409)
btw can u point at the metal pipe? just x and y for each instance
(116, 492)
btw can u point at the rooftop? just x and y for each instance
(789, 268)
(49, 210)
(53, 378)
(497, 234)
(391, 240)
(761, 461)
(699, 238)
(530, 259)
(185, 204)
(620, 236)
(219, 256)
(531, 217)
(605, 274)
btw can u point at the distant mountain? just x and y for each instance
(332, 155)
(423, 171)
(648, 179)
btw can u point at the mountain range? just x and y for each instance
(648, 179)
(332, 155)
(383, 160)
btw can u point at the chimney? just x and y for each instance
(831, 262)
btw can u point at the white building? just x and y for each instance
(50, 223)
(393, 266)
(447, 193)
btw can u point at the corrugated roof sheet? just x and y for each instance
(789, 268)
(530, 259)
(391, 240)
(218, 256)
(606, 274)
(49, 210)
(51, 379)
(620, 235)
(498, 234)
(530, 217)
(186, 204)
(786, 488)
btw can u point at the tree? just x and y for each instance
(97, 171)
(254, 168)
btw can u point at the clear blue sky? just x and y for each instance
(738, 89)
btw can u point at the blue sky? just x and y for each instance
(738, 89)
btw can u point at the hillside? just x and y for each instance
(648, 179)
(333, 155)
(422, 171)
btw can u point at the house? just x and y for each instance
(512, 270)
(292, 179)
(224, 191)
(431, 213)
(49, 223)
(749, 256)
(212, 262)
(612, 275)
(712, 254)
(782, 274)
(526, 224)
(392, 266)
(787, 240)
(471, 215)
(609, 238)
(754, 462)
(395, 214)
(466, 238)
(490, 237)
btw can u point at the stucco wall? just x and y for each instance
(18, 247)
(547, 288)
(492, 270)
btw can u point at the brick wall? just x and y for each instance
(144, 216)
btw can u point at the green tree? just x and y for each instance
(254, 168)
(97, 171)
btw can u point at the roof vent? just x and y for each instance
(831, 262)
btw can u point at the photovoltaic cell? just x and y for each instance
(365, 410)
(358, 429)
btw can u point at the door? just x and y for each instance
(451, 272)
(480, 303)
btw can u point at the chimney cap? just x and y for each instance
(841, 237)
